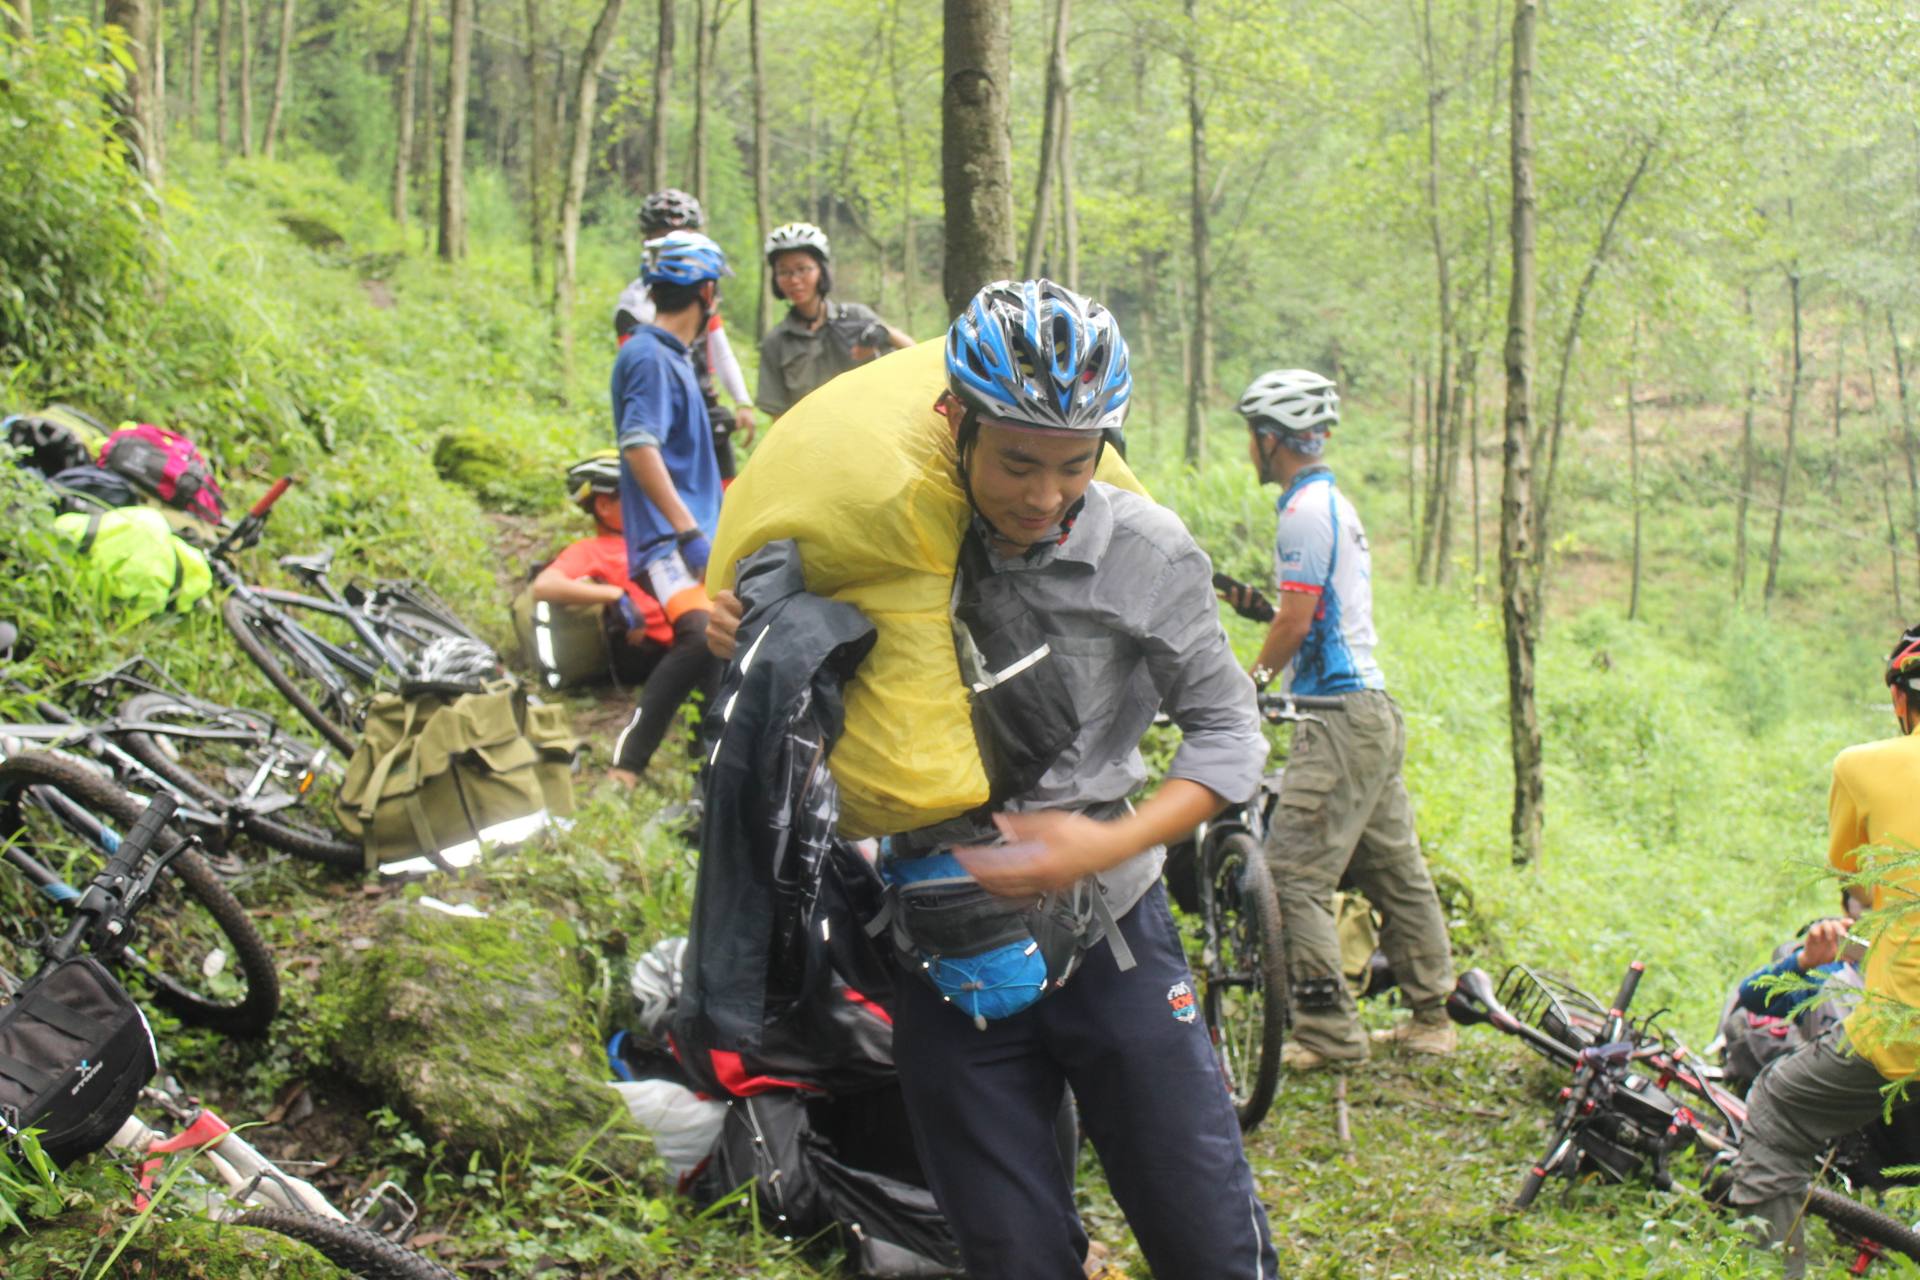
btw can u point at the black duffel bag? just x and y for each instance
(75, 1051)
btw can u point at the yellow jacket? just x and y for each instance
(1876, 802)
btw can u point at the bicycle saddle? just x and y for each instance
(315, 564)
(1473, 1000)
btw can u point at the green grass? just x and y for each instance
(1687, 752)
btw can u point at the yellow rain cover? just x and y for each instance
(861, 475)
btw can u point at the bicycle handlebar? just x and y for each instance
(260, 508)
(1617, 1012)
(1284, 702)
(107, 892)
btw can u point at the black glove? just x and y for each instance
(1244, 600)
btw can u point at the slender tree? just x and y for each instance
(453, 133)
(1039, 227)
(1200, 380)
(23, 20)
(1893, 539)
(540, 152)
(1909, 443)
(408, 72)
(196, 38)
(1436, 494)
(1516, 517)
(1748, 463)
(976, 147)
(762, 164)
(706, 30)
(1633, 462)
(657, 167)
(903, 141)
(1793, 425)
(244, 77)
(223, 73)
(1063, 168)
(282, 74)
(136, 125)
(586, 97)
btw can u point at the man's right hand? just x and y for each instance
(723, 625)
(1824, 940)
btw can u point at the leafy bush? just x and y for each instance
(77, 240)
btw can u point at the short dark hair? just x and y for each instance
(669, 297)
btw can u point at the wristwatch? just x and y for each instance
(1262, 676)
(687, 535)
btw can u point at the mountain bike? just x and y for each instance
(1219, 876)
(327, 654)
(1620, 1116)
(194, 951)
(233, 771)
(104, 919)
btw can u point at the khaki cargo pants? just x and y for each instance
(1344, 809)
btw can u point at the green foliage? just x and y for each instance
(77, 234)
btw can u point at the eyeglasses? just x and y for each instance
(797, 273)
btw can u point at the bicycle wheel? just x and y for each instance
(1856, 1221)
(1245, 979)
(364, 1253)
(324, 695)
(193, 950)
(410, 625)
(224, 755)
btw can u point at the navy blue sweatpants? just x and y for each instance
(983, 1105)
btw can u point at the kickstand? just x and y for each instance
(1342, 1129)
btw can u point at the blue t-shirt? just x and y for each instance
(657, 402)
(1321, 550)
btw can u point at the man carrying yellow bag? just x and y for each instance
(1058, 614)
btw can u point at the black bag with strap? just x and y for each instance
(75, 1051)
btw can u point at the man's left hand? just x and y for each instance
(1046, 850)
(744, 423)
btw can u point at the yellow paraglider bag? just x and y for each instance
(861, 475)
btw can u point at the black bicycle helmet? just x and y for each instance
(670, 210)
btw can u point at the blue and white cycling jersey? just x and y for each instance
(1321, 549)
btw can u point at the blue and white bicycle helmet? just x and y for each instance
(684, 257)
(1036, 354)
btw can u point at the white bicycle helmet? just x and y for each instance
(800, 235)
(457, 660)
(1294, 401)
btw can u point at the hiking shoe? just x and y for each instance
(1297, 1057)
(1416, 1035)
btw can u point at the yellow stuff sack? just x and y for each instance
(861, 474)
(130, 555)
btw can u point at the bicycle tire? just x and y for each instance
(175, 955)
(409, 626)
(165, 754)
(1860, 1220)
(1252, 958)
(366, 1253)
(258, 637)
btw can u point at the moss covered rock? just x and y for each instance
(187, 1249)
(502, 476)
(479, 1030)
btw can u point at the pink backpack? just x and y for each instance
(167, 465)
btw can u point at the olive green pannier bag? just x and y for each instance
(441, 771)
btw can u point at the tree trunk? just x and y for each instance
(903, 139)
(1040, 227)
(1569, 347)
(662, 100)
(1415, 407)
(223, 73)
(539, 151)
(1516, 519)
(705, 33)
(425, 111)
(1793, 426)
(23, 20)
(976, 147)
(1463, 374)
(282, 71)
(1202, 376)
(586, 96)
(196, 37)
(1748, 462)
(135, 125)
(244, 76)
(1909, 445)
(1893, 541)
(762, 164)
(156, 111)
(453, 133)
(1428, 569)
(1473, 479)
(1633, 463)
(403, 116)
(1063, 166)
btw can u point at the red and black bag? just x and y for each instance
(75, 1051)
(167, 465)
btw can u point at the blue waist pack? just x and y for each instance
(988, 956)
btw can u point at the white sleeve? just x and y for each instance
(725, 367)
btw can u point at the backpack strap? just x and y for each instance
(377, 780)
(51, 1011)
(36, 1080)
(93, 532)
(179, 576)
(1122, 953)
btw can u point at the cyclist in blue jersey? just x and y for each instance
(1343, 806)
